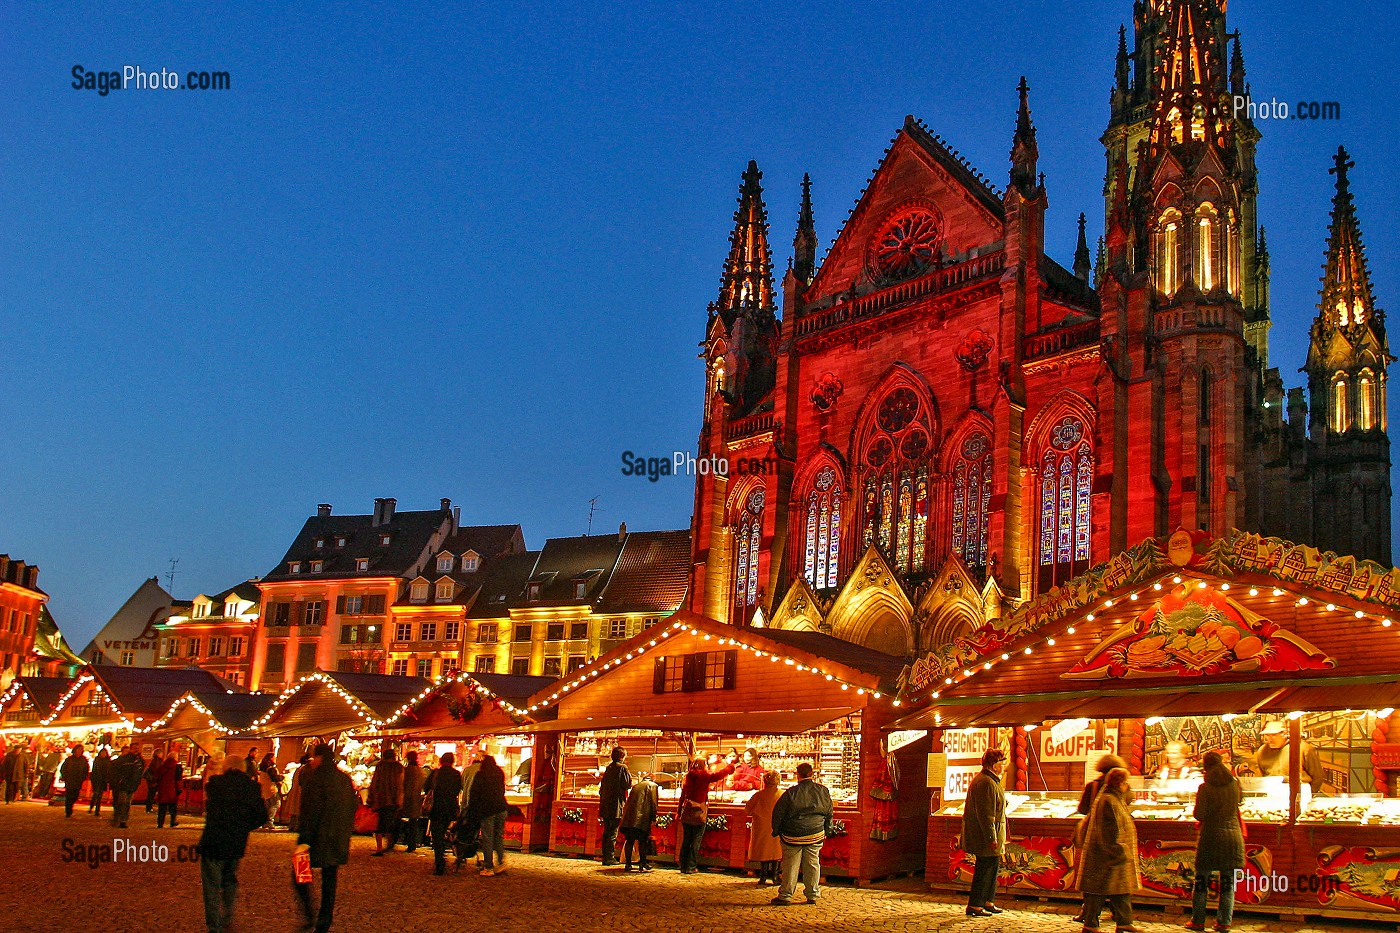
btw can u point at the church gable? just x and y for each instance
(923, 207)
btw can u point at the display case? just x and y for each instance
(1352, 809)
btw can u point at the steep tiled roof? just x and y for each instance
(410, 534)
(564, 562)
(149, 692)
(502, 582)
(652, 574)
(486, 540)
(44, 692)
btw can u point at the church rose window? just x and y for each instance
(908, 246)
(972, 499)
(748, 536)
(1066, 487)
(896, 486)
(821, 556)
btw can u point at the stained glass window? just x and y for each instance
(1066, 489)
(822, 551)
(972, 498)
(748, 537)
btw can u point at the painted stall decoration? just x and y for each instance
(1198, 632)
(1039, 863)
(1359, 878)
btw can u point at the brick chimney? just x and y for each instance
(31, 577)
(622, 532)
(323, 510)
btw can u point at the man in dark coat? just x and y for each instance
(74, 772)
(612, 798)
(233, 807)
(100, 775)
(1220, 845)
(445, 784)
(328, 804)
(9, 770)
(802, 821)
(126, 778)
(984, 832)
(48, 764)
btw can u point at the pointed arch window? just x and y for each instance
(895, 494)
(1207, 269)
(1340, 421)
(1169, 254)
(1365, 401)
(1066, 491)
(748, 535)
(972, 499)
(821, 556)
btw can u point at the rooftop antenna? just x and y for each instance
(170, 576)
(592, 509)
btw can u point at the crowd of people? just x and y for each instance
(1106, 870)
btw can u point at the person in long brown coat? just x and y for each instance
(764, 848)
(1107, 869)
(386, 800)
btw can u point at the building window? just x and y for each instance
(1206, 393)
(281, 614)
(707, 670)
(306, 657)
(1066, 484)
(578, 631)
(576, 661)
(821, 555)
(1365, 401)
(748, 537)
(532, 592)
(617, 628)
(972, 499)
(485, 663)
(418, 592)
(520, 667)
(316, 566)
(216, 647)
(400, 667)
(340, 542)
(353, 606)
(553, 667)
(650, 622)
(194, 647)
(450, 666)
(554, 631)
(452, 631)
(1340, 421)
(444, 564)
(427, 631)
(361, 564)
(276, 658)
(486, 633)
(425, 668)
(524, 632)
(1205, 248)
(895, 499)
(444, 591)
(403, 631)
(469, 563)
(385, 539)
(235, 646)
(230, 609)
(201, 609)
(580, 589)
(128, 658)
(1168, 255)
(294, 567)
(314, 612)
(235, 678)
(167, 647)
(320, 543)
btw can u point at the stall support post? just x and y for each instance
(1295, 766)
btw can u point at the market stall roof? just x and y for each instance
(204, 711)
(325, 702)
(43, 692)
(138, 695)
(767, 722)
(1186, 625)
(438, 712)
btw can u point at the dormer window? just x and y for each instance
(316, 566)
(320, 543)
(200, 610)
(444, 590)
(231, 608)
(444, 563)
(340, 542)
(418, 592)
(294, 567)
(469, 563)
(361, 564)
(580, 589)
(385, 539)
(532, 592)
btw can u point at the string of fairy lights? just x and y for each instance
(587, 674)
(1047, 638)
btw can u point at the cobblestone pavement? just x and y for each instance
(40, 891)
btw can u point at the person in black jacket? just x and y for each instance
(612, 797)
(74, 772)
(487, 808)
(233, 807)
(445, 784)
(328, 804)
(126, 778)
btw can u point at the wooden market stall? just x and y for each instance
(1203, 642)
(468, 712)
(202, 722)
(694, 686)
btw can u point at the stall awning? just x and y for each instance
(1317, 695)
(448, 731)
(761, 722)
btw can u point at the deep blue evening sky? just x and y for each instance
(419, 254)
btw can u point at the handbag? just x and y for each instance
(428, 795)
(301, 865)
(694, 814)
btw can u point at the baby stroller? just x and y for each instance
(462, 836)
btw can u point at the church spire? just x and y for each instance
(804, 244)
(1347, 300)
(1024, 151)
(1237, 79)
(1083, 262)
(747, 284)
